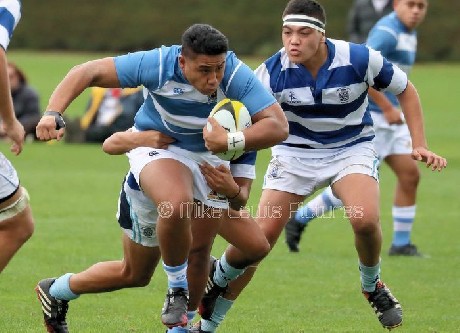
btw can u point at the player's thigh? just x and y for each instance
(274, 210)
(360, 196)
(167, 180)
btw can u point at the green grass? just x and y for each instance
(74, 191)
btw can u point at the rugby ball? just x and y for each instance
(234, 117)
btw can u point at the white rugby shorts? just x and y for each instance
(140, 157)
(9, 181)
(303, 176)
(137, 216)
(390, 139)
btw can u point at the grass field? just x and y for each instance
(74, 191)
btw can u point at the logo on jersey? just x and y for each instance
(153, 153)
(178, 91)
(292, 99)
(344, 94)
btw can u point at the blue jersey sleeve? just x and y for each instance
(246, 88)
(139, 68)
(382, 39)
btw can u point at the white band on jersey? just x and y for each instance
(236, 141)
(304, 21)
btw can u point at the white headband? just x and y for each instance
(304, 21)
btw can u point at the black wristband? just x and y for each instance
(237, 194)
(60, 123)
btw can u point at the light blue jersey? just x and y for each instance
(10, 14)
(329, 113)
(396, 43)
(176, 108)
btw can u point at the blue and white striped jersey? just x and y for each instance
(10, 14)
(173, 106)
(397, 44)
(330, 112)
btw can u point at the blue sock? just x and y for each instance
(60, 289)
(190, 316)
(318, 206)
(403, 220)
(221, 308)
(369, 276)
(177, 275)
(225, 272)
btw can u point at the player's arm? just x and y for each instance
(269, 119)
(100, 72)
(412, 109)
(11, 126)
(392, 114)
(269, 127)
(122, 142)
(221, 180)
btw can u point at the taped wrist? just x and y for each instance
(235, 141)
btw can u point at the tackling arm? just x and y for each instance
(122, 142)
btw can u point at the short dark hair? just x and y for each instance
(203, 39)
(306, 7)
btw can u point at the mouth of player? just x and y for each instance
(294, 52)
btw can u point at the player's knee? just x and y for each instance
(259, 249)
(410, 180)
(178, 209)
(26, 231)
(139, 279)
(365, 225)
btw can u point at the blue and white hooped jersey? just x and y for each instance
(330, 112)
(10, 14)
(173, 106)
(397, 44)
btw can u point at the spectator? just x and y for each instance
(109, 110)
(26, 101)
(363, 15)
